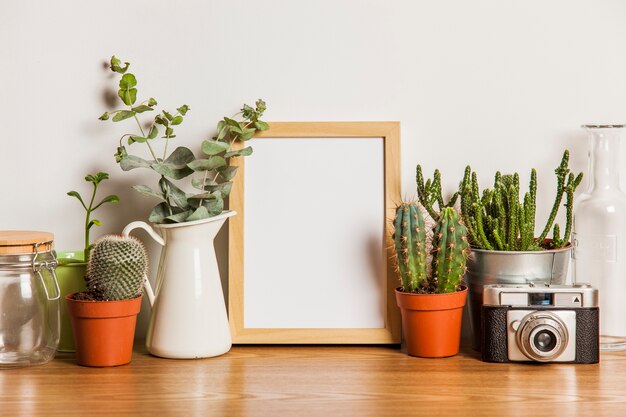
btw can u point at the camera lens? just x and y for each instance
(545, 340)
(542, 336)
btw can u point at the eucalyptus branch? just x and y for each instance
(143, 134)
(206, 174)
(176, 205)
(139, 124)
(167, 142)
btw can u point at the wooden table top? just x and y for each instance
(316, 381)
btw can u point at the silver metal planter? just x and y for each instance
(485, 267)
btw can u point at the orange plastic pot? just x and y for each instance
(104, 331)
(432, 322)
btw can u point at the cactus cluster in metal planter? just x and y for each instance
(497, 220)
(450, 250)
(117, 268)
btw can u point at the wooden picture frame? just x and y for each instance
(390, 331)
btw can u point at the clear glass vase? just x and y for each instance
(600, 233)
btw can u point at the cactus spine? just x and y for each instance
(410, 246)
(450, 250)
(117, 268)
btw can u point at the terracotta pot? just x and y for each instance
(432, 322)
(104, 331)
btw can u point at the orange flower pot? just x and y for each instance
(104, 331)
(432, 322)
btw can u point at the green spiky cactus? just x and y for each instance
(429, 193)
(117, 268)
(451, 250)
(410, 247)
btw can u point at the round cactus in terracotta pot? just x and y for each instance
(104, 316)
(431, 265)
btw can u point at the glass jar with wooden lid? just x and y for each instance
(29, 298)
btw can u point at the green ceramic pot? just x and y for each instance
(71, 277)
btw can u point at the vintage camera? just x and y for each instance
(540, 323)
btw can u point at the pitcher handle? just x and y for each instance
(145, 226)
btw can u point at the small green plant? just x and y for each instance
(212, 174)
(498, 220)
(116, 270)
(95, 180)
(450, 250)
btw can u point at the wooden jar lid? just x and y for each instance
(23, 241)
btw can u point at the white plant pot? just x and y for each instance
(188, 317)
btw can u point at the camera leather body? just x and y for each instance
(494, 335)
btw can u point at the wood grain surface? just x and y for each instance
(316, 381)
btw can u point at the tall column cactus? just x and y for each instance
(410, 247)
(451, 251)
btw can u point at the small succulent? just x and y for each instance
(117, 269)
(95, 180)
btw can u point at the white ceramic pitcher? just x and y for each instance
(188, 317)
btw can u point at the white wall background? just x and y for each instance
(496, 84)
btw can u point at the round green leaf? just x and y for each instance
(171, 171)
(128, 96)
(260, 125)
(122, 115)
(131, 162)
(180, 157)
(116, 65)
(145, 190)
(247, 151)
(227, 173)
(154, 131)
(133, 139)
(213, 147)
(128, 81)
(142, 108)
(207, 164)
(199, 214)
